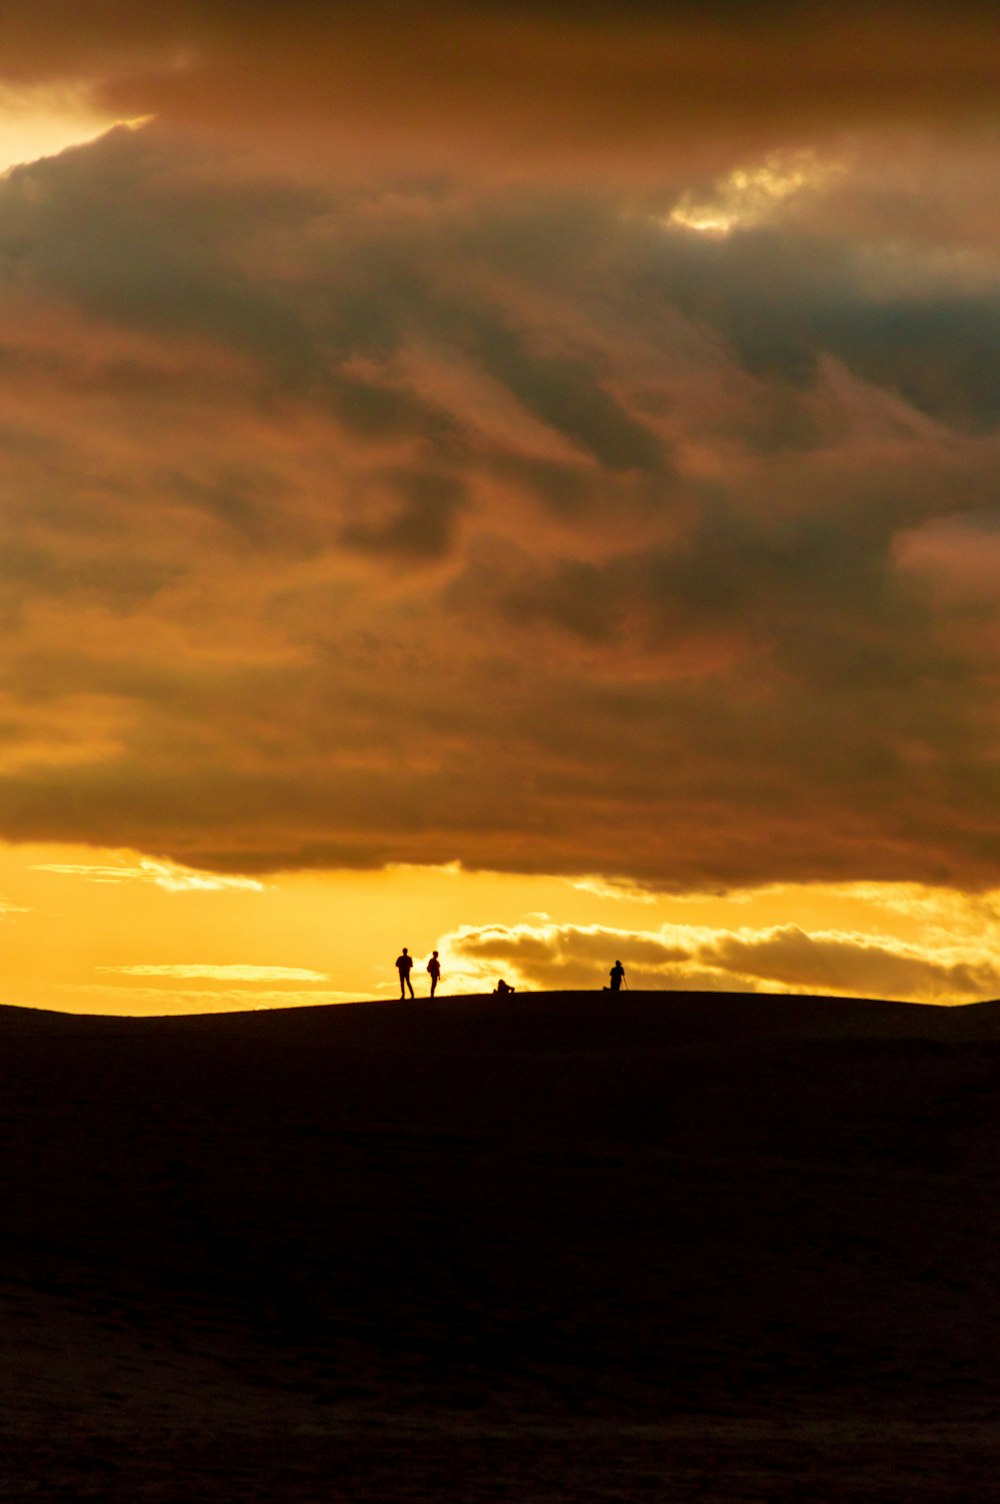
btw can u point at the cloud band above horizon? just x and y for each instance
(634, 89)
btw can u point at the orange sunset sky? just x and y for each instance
(521, 480)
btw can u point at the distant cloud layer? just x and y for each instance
(503, 514)
(782, 958)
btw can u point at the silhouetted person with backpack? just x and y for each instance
(617, 976)
(404, 965)
(434, 971)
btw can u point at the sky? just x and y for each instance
(521, 481)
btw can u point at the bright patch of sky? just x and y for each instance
(41, 120)
(750, 195)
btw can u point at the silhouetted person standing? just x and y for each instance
(434, 971)
(404, 965)
(617, 976)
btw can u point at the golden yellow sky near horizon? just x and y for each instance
(114, 932)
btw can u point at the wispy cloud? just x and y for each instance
(168, 875)
(222, 973)
(619, 890)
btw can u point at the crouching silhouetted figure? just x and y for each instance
(617, 976)
(434, 972)
(503, 986)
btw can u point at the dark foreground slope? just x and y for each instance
(568, 1247)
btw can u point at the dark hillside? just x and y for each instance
(664, 1246)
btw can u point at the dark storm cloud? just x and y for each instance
(415, 522)
(567, 396)
(409, 513)
(513, 86)
(120, 582)
(783, 299)
(118, 232)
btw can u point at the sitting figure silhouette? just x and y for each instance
(503, 986)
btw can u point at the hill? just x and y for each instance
(550, 1247)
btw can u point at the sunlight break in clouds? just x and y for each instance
(42, 119)
(748, 196)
